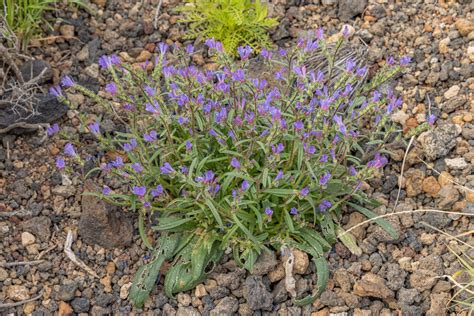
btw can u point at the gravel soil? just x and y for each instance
(38, 205)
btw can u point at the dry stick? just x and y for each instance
(70, 254)
(401, 173)
(398, 213)
(19, 263)
(9, 60)
(10, 305)
(155, 20)
(23, 125)
(42, 253)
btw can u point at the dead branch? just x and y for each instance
(7, 57)
(10, 305)
(19, 263)
(70, 254)
(23, 125)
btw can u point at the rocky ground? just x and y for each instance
(38, 206)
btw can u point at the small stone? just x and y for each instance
(464, 26)
(439, 142)
(323, 312)
(83, 53)
(423, 279)
(67, 30)
(371, 285)
(3, 274)
(265, 263)
(92, 71)
(29, 308)
(362, 312)
(456, 163)
(107, 283)
(80, 305)
(67, 291)
(342, 278)
(400, 117)
(184, 299)
(431, 186)
(200, 291)
(65, 309)
(469, 198)
(427, 239)
(226, 307)
(447, 196)
(27, 239)
(110, 267)
(144, 56)
(350, 8)
(301, 261)
(445, 178)
(277, 274)
(124, 290)
(438, 304)
(452, 92)
(256, 294)
(453, 104)
(443, 45)
(17, 292)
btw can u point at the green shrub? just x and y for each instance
(228, 162)
(232, 22)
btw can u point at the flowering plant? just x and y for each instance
(224, 160)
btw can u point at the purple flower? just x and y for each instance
(184, 170)
(130, 146)
(324, 158)
(150, 91)
(137, 167)
(167, 169)
(294, 211)
(244, 52)
(350, 65)
(325, 178)
(269, 212)
(213, 44)
(304, 192)
(56, 91)
(111, 88)
(352, 171)
(278, 148)
(405, 60)
(282, 51)
(361, 71)
(340, 124)
(52, 129)
(151, 136)
(324, 205)
(108, 61)
(139, 191)
(60, 164)
(234, 162)
(69, 150)
(378, 162)
(152, 108)
(266, 53)
(157, 191)
(390, 60)
(345, 31)
(298, 125)
(206, 178)
(320, 33)
(163, 47)
(376, 96)
(279, 175)
(309, 149)
(94, 128)
(106, 190)
(118, 162)
(238, 75)
(189, 145)
(431, 119)
(189, 49)
(311, 45)
(67, 82)
(245, 185)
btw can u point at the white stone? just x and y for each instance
(456, 163)
(27, 239)
(452, 92)
(124, 290)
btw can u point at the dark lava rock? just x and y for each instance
(66, 291)
(38, 226)
(103, 300)
(47, 109)
(80, 305)
(33, 68)
(226, 307)
(265, 263)
(256, 294)
(350, 8)
(103, 224)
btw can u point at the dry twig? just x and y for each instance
(19, 263)
(70, 254)
(10, 305)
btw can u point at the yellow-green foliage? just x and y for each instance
(232, 22)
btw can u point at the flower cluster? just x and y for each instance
(245, 159)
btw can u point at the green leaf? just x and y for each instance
(322, 272)
(289, 222)
(280, 192)
(379, 221)
(215, 213)
(170, 223)
(349, 241)
(328, 229)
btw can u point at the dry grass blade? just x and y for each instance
(401, 172)
(19, 263)
(70, 254)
